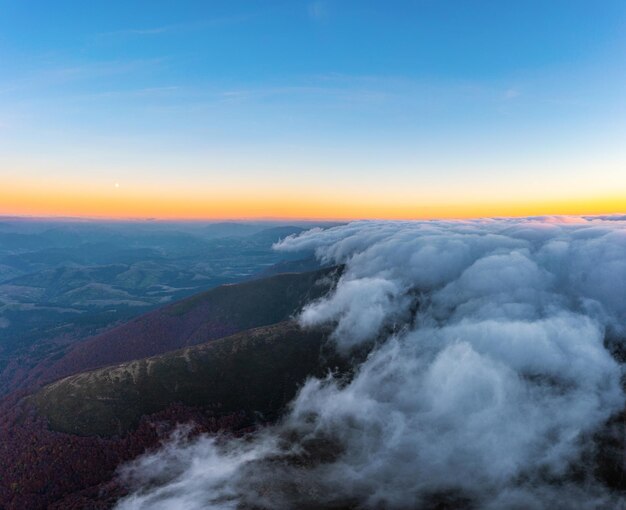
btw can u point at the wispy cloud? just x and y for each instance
(140, 93)
(140, 31)
(512, 93)
(318, 10)
(51, 75)
(173, 28)
(98, 69)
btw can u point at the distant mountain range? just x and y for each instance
(64, 281)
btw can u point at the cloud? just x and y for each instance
(512, 93)
(318, 10)
(173, 28)
(62, 75)
(609, 217)
(487, 378)
(136, 32)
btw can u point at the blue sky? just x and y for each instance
(421, 101)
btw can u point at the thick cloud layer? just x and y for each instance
(487, 377)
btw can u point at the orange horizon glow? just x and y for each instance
(221, 205)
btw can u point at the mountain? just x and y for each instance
(64, 281)
(275, 234)
(231, 229)
(290, 266)
(213, 314)
(66, 440)
(255, 372)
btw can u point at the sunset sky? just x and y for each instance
(325, 109)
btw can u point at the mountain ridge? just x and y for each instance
(216, 313)
(256, 371)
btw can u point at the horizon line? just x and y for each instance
(269, 219)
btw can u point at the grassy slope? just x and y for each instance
(257, 371)
(216, 313)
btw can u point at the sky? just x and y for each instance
(327, 109)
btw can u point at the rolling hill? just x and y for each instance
(62, 282)
(213, 314)
(76, 431)
(255, 372)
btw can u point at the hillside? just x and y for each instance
(216, 313)
(255, 372)
(74, 433)
(62, 282)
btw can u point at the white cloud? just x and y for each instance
(490, 392)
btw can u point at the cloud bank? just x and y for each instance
(489, 375)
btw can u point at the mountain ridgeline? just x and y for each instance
(255, 372)
(63, 281)
(219, 312)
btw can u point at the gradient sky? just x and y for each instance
(323, 109)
